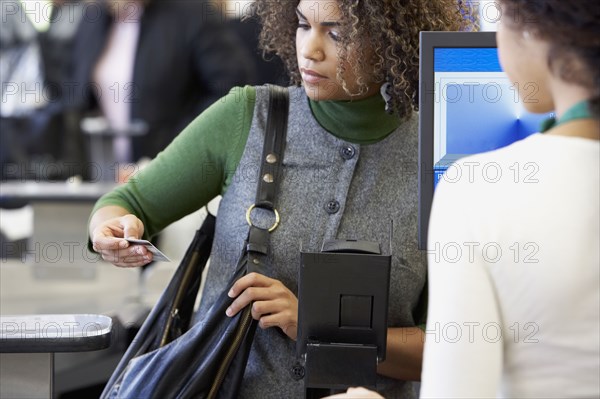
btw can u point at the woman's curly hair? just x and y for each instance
(572, 29)
(390, 28)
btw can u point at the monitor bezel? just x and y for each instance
(429, 41)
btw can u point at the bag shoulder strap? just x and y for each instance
(273, 148)
(257, 244)
(270, 169)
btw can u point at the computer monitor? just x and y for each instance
(467, 105)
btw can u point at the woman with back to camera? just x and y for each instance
(534, 307)
(525, 318)
(346, 166)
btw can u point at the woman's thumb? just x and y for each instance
(131, 228)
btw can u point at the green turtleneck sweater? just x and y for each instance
(201, 162)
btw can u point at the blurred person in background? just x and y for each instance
(37, 135)
(156, 63)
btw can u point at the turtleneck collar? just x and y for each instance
(362, 121)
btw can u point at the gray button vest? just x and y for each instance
(377, 184)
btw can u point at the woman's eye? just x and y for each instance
(334, 35)
(303, 25)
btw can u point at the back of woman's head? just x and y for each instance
(387, 28)
(572, 30)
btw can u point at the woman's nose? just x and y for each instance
(312, 48)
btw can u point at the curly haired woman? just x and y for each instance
(349, 168)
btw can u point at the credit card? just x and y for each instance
(157, 255)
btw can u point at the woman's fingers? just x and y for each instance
(109, 241)
(136, 255)
(273, 304)
(132, 226)
(249, 280)
(248, 296)
(356, 393)
(287, 321)
(103, 242)
(254, 287)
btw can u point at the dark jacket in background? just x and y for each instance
(186, 59)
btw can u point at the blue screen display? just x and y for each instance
(476, 108)
(466, 60)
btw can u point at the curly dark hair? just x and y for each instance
(389, 27)
(572, 29)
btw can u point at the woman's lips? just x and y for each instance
(310, 76)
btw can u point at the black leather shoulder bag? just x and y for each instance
(170, 359)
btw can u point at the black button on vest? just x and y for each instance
(297, 372)
(332, 207)
(347, 152)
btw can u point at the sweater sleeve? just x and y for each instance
(196, 167)
(463, 352)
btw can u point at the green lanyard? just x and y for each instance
(581, 110)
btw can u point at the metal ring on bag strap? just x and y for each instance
(270, 229)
